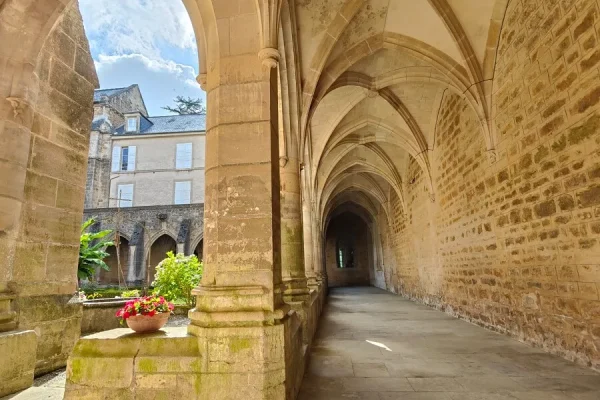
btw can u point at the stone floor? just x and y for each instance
(373, 345)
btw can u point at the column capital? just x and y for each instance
(268, 13)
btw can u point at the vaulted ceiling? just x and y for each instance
(373, 76)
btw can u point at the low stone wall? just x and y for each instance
(56, 321)
(119, 364)
(99, 315)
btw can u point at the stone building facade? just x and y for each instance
(145, 181)
(464, 135)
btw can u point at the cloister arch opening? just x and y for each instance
(158, 252)
(119, 265)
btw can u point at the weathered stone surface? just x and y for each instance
(18, 360)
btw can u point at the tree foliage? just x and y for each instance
(176, 276)
(92, 250)
(186, 105)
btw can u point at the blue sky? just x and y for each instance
(148, 42)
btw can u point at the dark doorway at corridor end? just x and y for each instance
(348, 251)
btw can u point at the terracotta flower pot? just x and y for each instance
(146, 323)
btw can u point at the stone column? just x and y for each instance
(307, 225)
(292, 251)
(241, 282)
(131, 275)
(240, 317)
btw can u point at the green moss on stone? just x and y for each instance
(147, 366)
(239, 344)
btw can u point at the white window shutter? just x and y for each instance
(131, 158)
(183, 192)
(184, 156)
(116, 158)
(125, 195)
(188, 154)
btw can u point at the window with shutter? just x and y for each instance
(183, 159)
(125, 195)
(183, 192)
(132, 150)
(116, 158)
(124, 158)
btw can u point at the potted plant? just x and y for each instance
(146, 314)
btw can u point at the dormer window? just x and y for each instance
(131, 124)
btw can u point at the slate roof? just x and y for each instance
(168, 124)
(100, 93)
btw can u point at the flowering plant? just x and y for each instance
(149, 305)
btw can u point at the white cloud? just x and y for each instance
(144, 27)
(159, 80)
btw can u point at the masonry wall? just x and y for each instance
(516, 242)
(143, 226)
(44, 272)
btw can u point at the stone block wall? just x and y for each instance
(142, 226)
(44, 267)
(514, 244)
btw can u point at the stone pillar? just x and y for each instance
(131, 275)
(249, 335)
(292, 251)
(308, 242)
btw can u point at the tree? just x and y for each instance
(92, 251)
(187, 105)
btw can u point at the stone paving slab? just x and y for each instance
(374, 345)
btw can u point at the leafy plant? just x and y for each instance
(176, 276)
(94, 295)
(92, 250)
(130, 293)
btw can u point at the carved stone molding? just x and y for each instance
(269, 57)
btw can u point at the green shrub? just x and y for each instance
(93, 296)
(176, 276)
(130, 293)
(92, 251)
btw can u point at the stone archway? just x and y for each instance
(114, 276)
(348, 250)
(158, 251)
(199, 250)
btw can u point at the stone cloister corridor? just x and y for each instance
(372, 345)
(446, 152)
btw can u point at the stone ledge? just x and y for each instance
(122, 364)
(18, 349)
